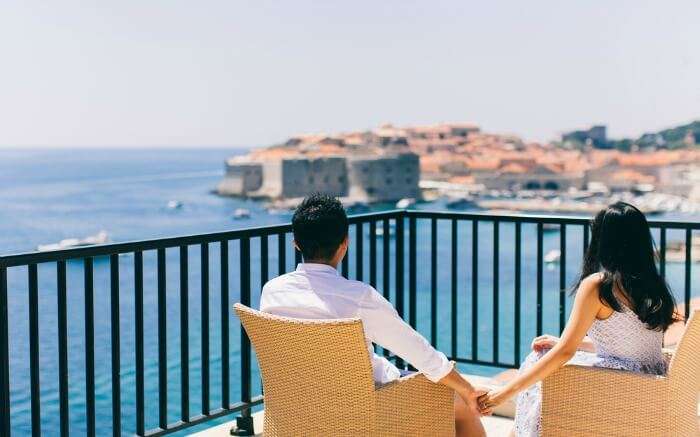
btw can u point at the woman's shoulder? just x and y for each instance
(592, 282)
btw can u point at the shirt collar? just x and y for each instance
(314, 267)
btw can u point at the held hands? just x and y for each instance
(487, 402)
(471, 399)
(544, 342)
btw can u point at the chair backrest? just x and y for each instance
(316, 374)
(684, 369)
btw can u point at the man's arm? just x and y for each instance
(385, 328)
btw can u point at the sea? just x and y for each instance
(47, 195)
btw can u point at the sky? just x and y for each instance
(132, 73)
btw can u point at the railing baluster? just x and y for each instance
(662, 253)
(264, 266)
(359, 252)
(204, 257)
(4, 357)
(562, 276)
(688, 263)
(386, 266)
(373, 253)
(138, 315)
(245, 341)
(162, 343)
(116, 359)
(433, 282)
(475, 289)
(496, 280)
(399, 242)
(225, 383)
(453, 288)
(281, 253)
(90, 348)
(540, 249)
(518, 250)
(412, 277)
(34, 349)
(386, 260)
(62, 346)
(184, 336)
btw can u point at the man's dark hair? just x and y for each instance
(320, 225)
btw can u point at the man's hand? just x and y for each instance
(544, 342)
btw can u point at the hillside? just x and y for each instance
(672, 138)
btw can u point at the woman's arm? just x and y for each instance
(586, 306)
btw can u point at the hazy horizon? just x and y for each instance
(240, 75)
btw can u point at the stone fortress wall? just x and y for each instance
(384, 178)
(359, 178)
(241, 178)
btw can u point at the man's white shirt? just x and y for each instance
(318, 291)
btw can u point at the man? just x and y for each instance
(317, 291)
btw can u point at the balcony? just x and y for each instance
(140, 337)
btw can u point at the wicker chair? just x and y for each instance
(317, 380)
(587, 401)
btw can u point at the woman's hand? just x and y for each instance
(491, 400)
(544, 342)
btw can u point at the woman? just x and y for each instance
(621, 302)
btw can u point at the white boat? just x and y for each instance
(175, 204)
(100, 238)
(405, 203)
(380, 229)
(553, 256)
(241, 213)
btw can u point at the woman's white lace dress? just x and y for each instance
(622, 341)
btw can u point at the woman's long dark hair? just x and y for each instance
(623, 250)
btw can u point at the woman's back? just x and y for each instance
(623, 341)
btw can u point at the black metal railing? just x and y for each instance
(494, 318)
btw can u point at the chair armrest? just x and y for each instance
(413, 405)
(604, 402)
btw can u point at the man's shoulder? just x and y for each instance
(361, 288)
(278, 282)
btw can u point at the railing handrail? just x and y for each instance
(24, 258)
(34, 257)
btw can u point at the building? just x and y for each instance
(367, 178)
(518, 176)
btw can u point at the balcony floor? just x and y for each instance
(496, 426)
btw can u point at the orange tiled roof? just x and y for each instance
(632, 176)
(514, 168)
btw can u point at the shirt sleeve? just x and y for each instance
(384, 327)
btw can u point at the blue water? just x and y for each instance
(48, 195)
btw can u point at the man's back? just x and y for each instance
(318, 291)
